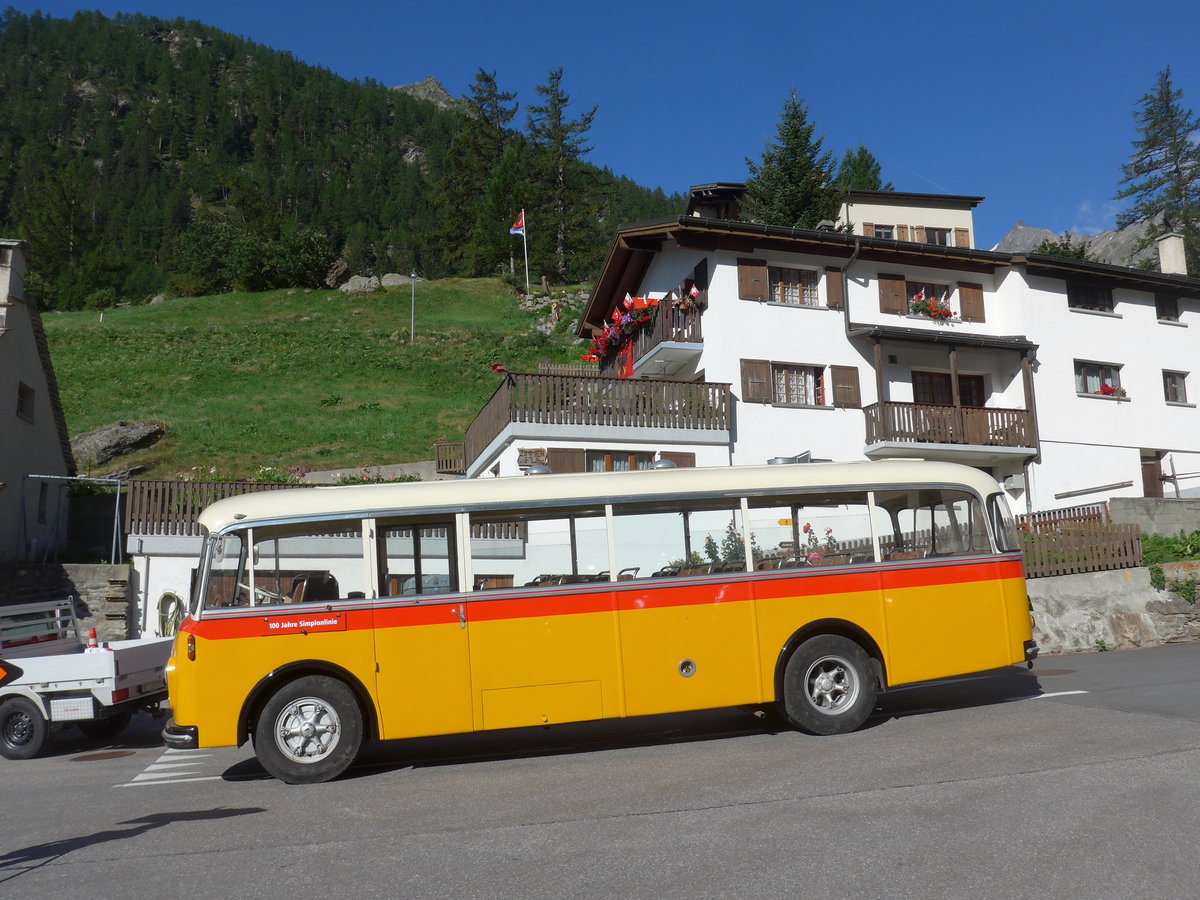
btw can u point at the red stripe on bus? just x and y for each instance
(658, 595)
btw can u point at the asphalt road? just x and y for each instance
(1080, 779)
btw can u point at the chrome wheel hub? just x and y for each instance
(307, 730)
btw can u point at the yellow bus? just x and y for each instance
(323, 617)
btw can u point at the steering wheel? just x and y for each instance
(263, 593)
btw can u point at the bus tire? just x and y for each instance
(23, 729)
(829, 686)
(104, 729)
(309, 730)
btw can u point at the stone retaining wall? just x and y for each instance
(1108, 610)
(101, 593)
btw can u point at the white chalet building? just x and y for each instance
(885, 335)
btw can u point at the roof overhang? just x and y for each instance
(634, 246)
(1138, 279)
(1020, 343)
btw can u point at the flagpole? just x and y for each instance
(525, 244)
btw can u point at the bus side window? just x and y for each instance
(681, 539)
(914, 524)
(828, 529)
(307, 562)
(416, 558)
(538, 548)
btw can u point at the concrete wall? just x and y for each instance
(1153, 516)
(101, 593)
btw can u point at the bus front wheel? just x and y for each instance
(829, 685)
(309, 731)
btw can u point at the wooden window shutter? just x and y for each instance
(918, 234)
(845, 387)
(892, 296)
(902, 232)
(869, 229)
(565, 459)
(970, 302)
(835, 293)
(962, 237)
(756, 381)
(682, 460)
(752, 279)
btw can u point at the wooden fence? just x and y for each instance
(1053, 518)
(1071, 548)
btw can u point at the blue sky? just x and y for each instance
(1027, 104)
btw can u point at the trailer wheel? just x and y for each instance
(103, 729)
(23, 729)
(309, 731)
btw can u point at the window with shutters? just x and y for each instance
(887, 232)
(617, 460)
(796, 287)
(792, 384)
(797, 385)
(1090, 297)
(1175, 387)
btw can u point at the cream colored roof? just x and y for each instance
(464, 494)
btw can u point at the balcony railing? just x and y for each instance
(598, 401)
(948, 425)
(670, 324)
(449, 457)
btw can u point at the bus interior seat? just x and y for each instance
(314, 587)
(628, 574)
(906, 554)
(665, 572)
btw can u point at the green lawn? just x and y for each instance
(321, 380)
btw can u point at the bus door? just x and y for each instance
(423, 677)
(542, 624)
(943, 595)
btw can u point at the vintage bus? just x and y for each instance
(323, 617)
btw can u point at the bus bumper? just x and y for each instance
(181, 737)
(1031, 651)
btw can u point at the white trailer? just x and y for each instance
(50, 678)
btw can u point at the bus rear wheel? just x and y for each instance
(309, 731)
(829, 686)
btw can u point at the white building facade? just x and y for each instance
(1068, 381)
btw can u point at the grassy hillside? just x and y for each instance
(317, 379)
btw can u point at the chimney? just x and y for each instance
(1171, 258)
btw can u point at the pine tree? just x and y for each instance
(1163, 174)
(568, 190)
(859, 170)
(793, 183)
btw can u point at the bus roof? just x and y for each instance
(461, 494)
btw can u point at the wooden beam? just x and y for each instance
(879, 398)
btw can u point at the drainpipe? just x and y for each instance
(846, 284)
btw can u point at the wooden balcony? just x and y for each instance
(929, 424)
(671, 325)
(555, 400)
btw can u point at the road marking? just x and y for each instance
(1055, 694)
(173, 767)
